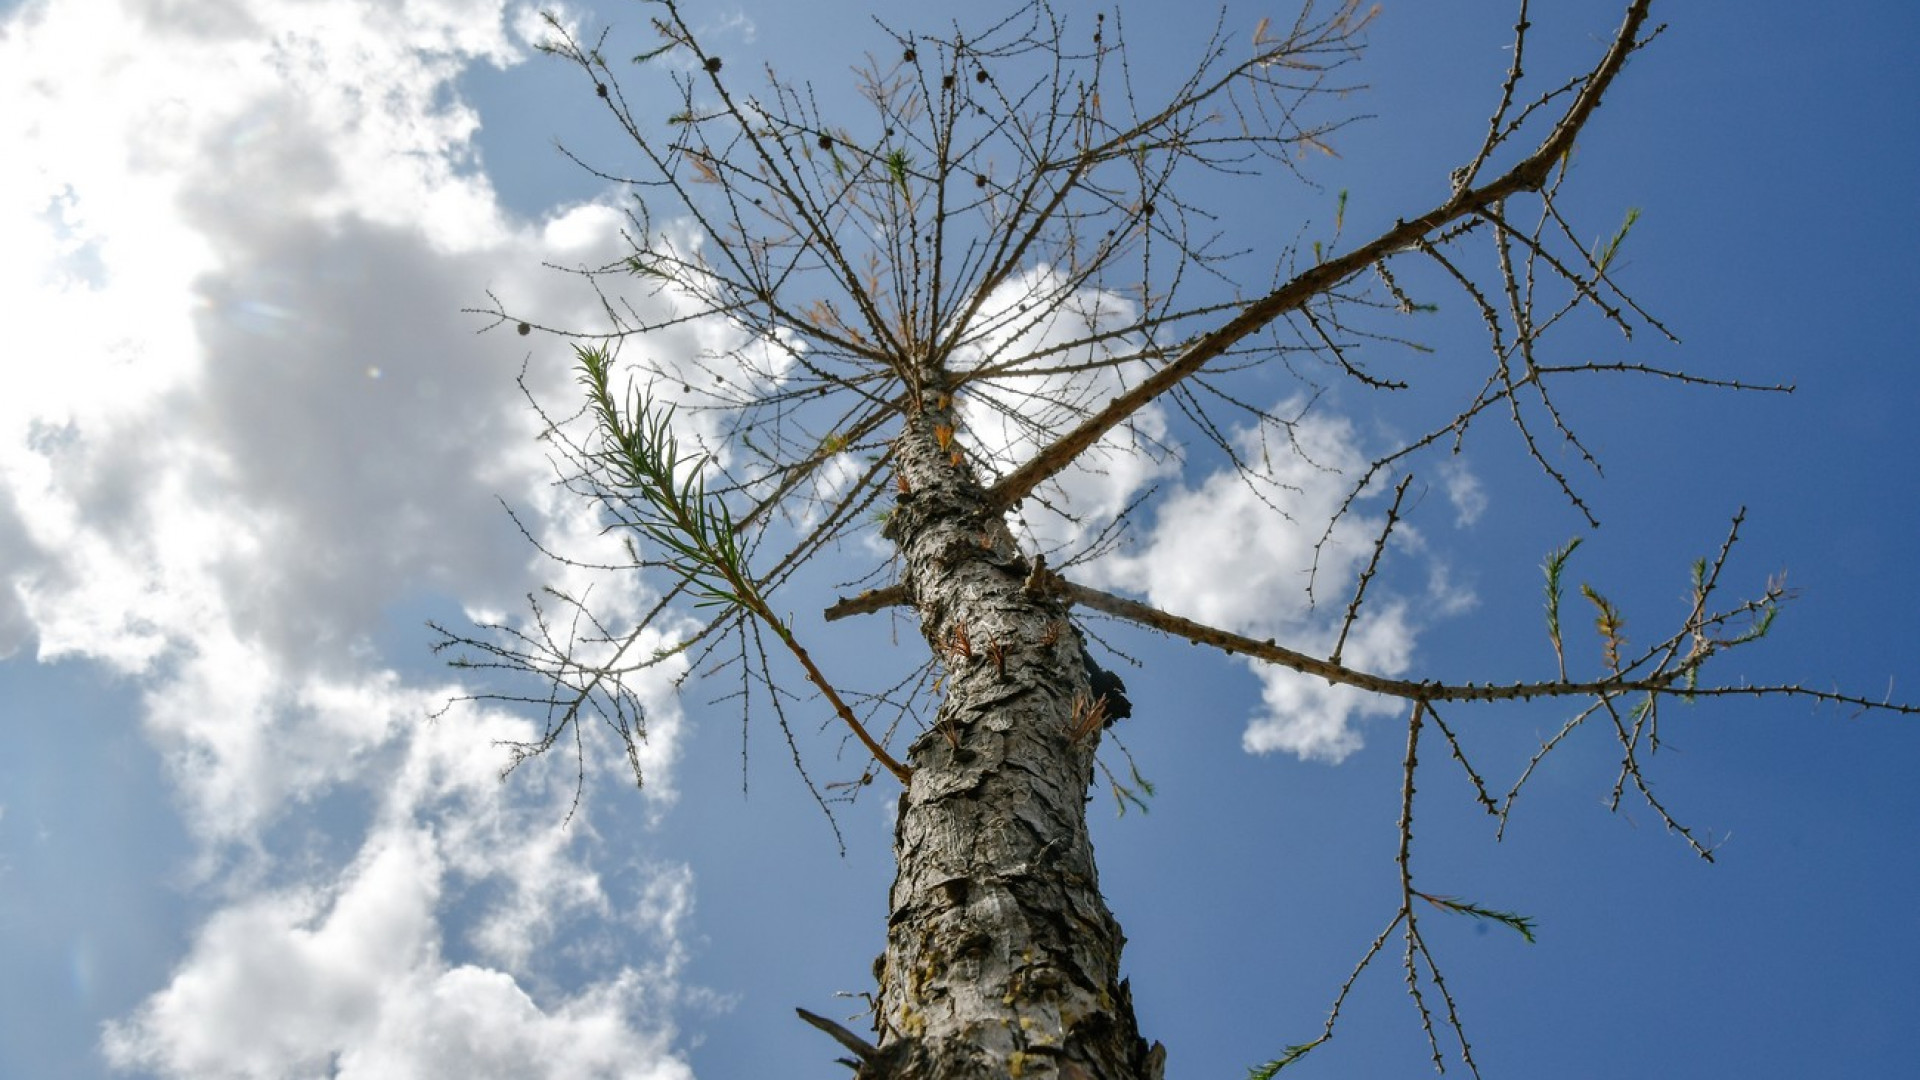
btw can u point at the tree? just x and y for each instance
(963, 307)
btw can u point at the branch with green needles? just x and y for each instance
(698, 536)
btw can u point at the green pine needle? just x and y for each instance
(1518, 923)
(1136, 795)
(1287, 1057)
(1760, 626)
(897, 165)
(1612, 247)
(1556, 564)
(642, 455)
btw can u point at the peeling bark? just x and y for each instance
(1002, 959)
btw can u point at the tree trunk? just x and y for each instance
(1002, 959)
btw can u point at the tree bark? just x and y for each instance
(1002, 959)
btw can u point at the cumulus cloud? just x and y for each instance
(351, 982)
(246, 424)
(1314, 721)
(1248, 550)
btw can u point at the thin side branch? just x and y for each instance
(1668, 681)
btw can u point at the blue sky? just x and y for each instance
(250, 444)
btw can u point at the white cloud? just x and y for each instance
(1464, 491)
(273, 982)
(478, 1023)
(1316, 721)
(246, 425)
(530, 26)
(233, 454)
(1242, 549)
(351, 983)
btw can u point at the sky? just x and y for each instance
(251, 442)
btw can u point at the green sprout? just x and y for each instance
(641, 455)
(1612, 247)
(1556, 563)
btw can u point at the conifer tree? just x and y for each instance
(927, 324)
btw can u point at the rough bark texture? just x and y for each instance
(1002, 959)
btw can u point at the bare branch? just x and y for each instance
(1668, 681)
(1530, 174)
